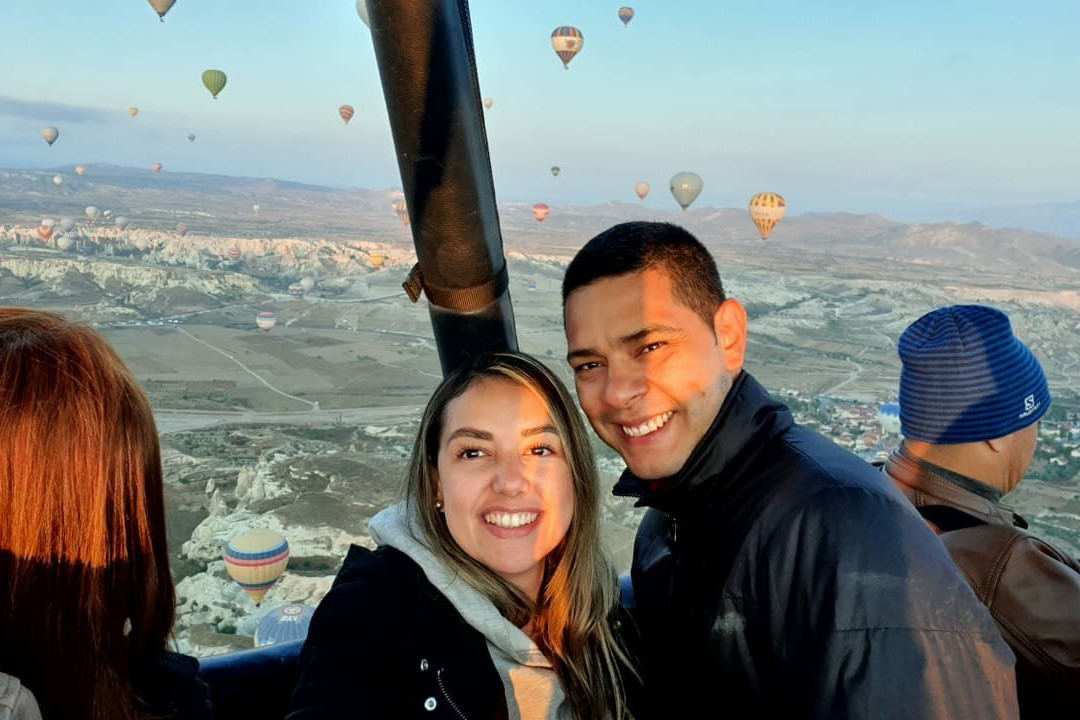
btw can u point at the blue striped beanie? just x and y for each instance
(967, 378)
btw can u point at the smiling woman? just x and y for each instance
(489, 594)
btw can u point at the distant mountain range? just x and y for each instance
(848, 243)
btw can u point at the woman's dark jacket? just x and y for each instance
(1031, 587)
(778, 574)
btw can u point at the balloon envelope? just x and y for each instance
(121, 221)
(214, 80)
(255, 209)
(181, 228)
(65, 242)
(540, 211)
(685, 187)
(156, 167)
(266, 320)
(555, 170)
(50, 134)
(626, 14)
(255, 559)
(376, 261)
(80, 170)
(296, 290)
(889, 417)
(133, 111)
(57, 180)
(307, 283)
(191, 137)
(234, 253)
(488, 103)
(161, 7)
(288, 622)
(642, 189)
(766, 210)
(346, 112)
(91, 212)
(567, 42)
(361, 10)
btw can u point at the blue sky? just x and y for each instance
(903, 109)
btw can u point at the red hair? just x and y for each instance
(83, 554)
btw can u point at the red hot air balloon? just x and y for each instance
(234, 254)
(157, 167)
(540, 211)
(181, 229)
(642, 189)
(346, 112)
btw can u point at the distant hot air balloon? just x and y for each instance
(361, 10)
(91, 212)
(567, 42)
(642, 189)
(156, 167)
(255, 559)
(296, 290)
(234, 254)
(65, 242)
(266, 320)
(106, 214)
(889, 417)
(46, 228)
(376, 261)
(284, 624)
(66, 223)
(181, 229)
(50, 134)
(161, 7)
(121, 221)
(766, 210)
(555, 170)
(346, 112)
(540, 211)
(80, 170)
(57, 180)
(307, 283)
(488, 103)
(626, 14)
(255, 209)
(402, 210)
(214, 80)
(133, 111)
(191, 137)
(685, 187)
(141, 244)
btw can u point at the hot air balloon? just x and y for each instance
(50, 134)
(642, 189)
(181, 229)
(283, 624)
(106, 214)
(376, 261)
(567, 42)
(255, 209)
(361, 10)
(214, 80)
(133, 111)
(889, 417)
(45, 229)
(626, 14)
(685, 187)
(66, 223)
(540, 211)
(156, 167)
(346, 112)
(555, 170)
(80, 170)
(255, 559)
(266, 320)
(91, 212)
(161, 7)
(402, 211)
(57, 180)
(191, 137)
(141, 244)
(234, 254)
(308, 283)
(296, 290)
(488, 103)
(766, 210)
(65, 242)
(121, 221)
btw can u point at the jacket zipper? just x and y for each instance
(446, 695)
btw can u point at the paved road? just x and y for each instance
(170, 421)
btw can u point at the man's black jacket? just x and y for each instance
(778, 574)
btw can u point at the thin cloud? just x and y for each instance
(51, 112)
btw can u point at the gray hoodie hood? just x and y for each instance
(532, 689)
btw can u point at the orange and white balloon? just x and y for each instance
(766, 210)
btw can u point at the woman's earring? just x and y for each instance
(438, 505)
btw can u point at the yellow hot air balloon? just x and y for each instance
(80, 170)
(161, 7)
(567, 42)
(255, 559)
(133, 111)
(766, 210)
(642, 189)
(214, 80)
(376, 261)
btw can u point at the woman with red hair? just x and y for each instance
(88, 599)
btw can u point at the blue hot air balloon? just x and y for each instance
(288, 622)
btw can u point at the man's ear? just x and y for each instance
(729, 325)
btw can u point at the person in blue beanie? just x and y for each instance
(971, 397)
(775, 573)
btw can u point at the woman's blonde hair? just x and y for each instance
(579, 592)
(87, 597)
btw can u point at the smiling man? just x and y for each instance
(775, 572)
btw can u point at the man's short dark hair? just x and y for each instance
(636, 246)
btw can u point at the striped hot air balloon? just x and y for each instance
(234, 254)
(346, 112)
(266, 320)
(766, 210)
(288, 622)
(181, 229)
(255, 559)
(540, 211)
(296, 290)
(567, 42)
(214, 81)
(626, 14)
